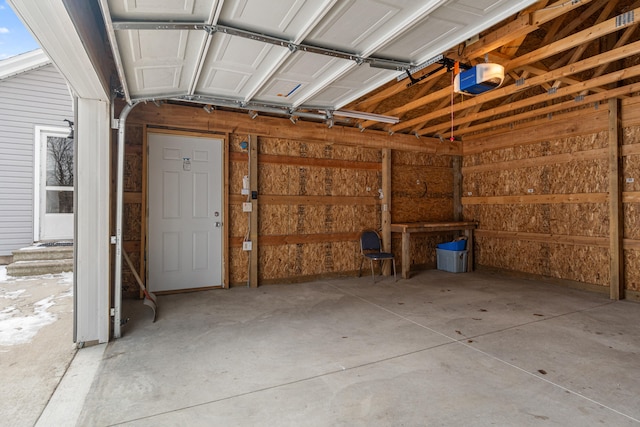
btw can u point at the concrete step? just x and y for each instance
(33, 253)
(39, 267)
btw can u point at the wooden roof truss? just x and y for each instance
(557, 56)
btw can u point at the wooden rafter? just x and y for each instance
(539, 88)
(583, 65)
(541, 111)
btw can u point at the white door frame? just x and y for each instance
(224, 195)
(38, 207)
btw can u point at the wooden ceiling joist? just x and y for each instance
(566, 105)
(586, 64)
(607, 27)
(522, 26)
(551, 51)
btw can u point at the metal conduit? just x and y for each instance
(117, 317)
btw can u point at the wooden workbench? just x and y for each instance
(432, 227)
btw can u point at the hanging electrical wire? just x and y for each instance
(456, 70)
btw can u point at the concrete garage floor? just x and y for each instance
(439, 349)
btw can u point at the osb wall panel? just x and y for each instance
(293, 261)
(130, 287)
(422, 248)
(571, 262)
(132, 212)
(132, 217)
(286, 177)
(632, 270)
(586, 219)
(579, 263)
(588, 176)
(631, 169)
(570, 144)
(632, 221)
(421, 191)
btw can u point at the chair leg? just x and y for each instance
(373, 275)
(360, 271)
(393, 262)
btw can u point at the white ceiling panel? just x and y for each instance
(284, 53)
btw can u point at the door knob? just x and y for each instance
(218, 224)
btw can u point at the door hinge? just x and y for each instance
(112, 312)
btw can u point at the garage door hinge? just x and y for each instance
(112, 312)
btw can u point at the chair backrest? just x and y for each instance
(369, 241)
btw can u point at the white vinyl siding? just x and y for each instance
(37, 97)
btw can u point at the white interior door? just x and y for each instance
(54, 183)
(185, 243)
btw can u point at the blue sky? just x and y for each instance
(14, 37)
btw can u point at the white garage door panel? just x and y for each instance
(159, 61)
(181, 63)
(352, 85)
(288, 19)
(165, 10)
(236, 66)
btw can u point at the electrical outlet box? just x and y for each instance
(247, 206)
(246, 245)
(530, 190)
(630, 180)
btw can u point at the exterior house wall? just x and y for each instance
(38, 97)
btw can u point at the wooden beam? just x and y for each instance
(195, 118)
(577, 54)
(616, 212)
(574, 23)
(143, 210)
(400, 87)
(537, 199)
(620, 41)
(521, 26)
(253, 216)
(267, 199)
(226, 223)
(586, 64)
(567, 43)
(386, 207)
(585, 36)
(539, 130)
(554, 159)
(560, 239)
(569, 90)
(589, 99)
(296, 239)
(457, 188)
(308, 162)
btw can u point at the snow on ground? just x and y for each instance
(18, 329)
(21, 321)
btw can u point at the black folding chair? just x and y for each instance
(371, 248)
